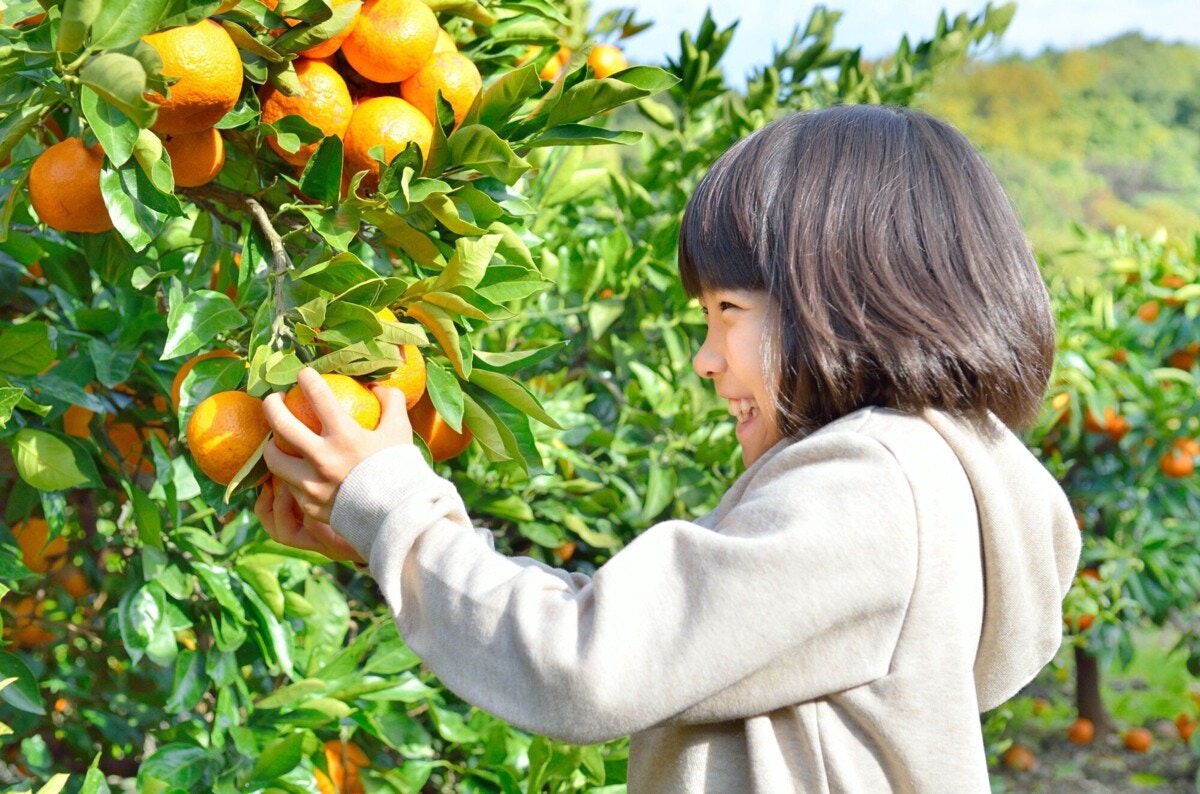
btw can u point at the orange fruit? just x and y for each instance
(323, 101)
(1114, 425)
(1139, 740)
(64, 187)
(443, 442)
(1019, 758)
(25, 630)
(445, 42)
(355, 398)
(196, 157)
(606, 59)
(77, 421)
(343, 759)
(331, 45)
(1183, 358)
(1148, 311)
(188, 366)
(1081, 731)
(1090, 573)
(452, 73)
(39, 553)
(224, 431)
(388, 121)
(1186, 726)
(391, 40)
(130, 445)
(209, 68)
(1188, 446)
(552, 66)
(409, 377)
(1176, 463)
(72, 579)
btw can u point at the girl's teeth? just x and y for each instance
(743, 409)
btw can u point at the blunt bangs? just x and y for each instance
(717, 236)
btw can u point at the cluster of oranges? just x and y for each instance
(47, 557)
(226, 428)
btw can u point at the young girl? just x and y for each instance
(890, 564)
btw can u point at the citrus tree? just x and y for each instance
(1120, 431)
(201, 198)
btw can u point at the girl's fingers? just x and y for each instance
(287, 426)
(324, 403)
(393, 419)
(290, 469)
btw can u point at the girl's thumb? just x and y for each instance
(393, 417)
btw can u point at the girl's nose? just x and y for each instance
(708, 361)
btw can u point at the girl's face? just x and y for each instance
(732, 357)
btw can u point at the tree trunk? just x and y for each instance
(1087, 692)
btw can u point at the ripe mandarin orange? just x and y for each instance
(409, 377)
(39, 553)
(77, 421)
(188, 366)
(323, 101)
(334, 43)
(443, 442)
(607, 59)
(209, 68)
(1081, 731)
(1148, 311)
(355, 398)
(1019, 758)
(196, 157)
(26, 629)
(391, 39)
(128, 441)
(1185, 725)
(385, 121)
(1139, 740)
(64, 187)
(1188, 446)
(343, 760)
(1176, 463)
(454, 75)
(224, 431)
(445, 42)
(73, 580)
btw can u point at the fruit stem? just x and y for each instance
(281, 332)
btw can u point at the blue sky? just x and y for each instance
(876, 25)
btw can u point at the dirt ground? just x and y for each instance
(1104, 767)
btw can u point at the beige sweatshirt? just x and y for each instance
(836, 624)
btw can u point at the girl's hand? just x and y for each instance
(280, 515)
(342, 444)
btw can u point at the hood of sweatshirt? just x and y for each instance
(1030, 545)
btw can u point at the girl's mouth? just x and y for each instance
(743, 409)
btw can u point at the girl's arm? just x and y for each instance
(805, 564)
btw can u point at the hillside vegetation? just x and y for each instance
(1104, 137)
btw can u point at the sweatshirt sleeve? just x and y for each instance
(798, 591)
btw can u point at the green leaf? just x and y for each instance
(445, 393)
(194, 320)
(322, 176)
(46, 462)
(190, 684)
(77, 17)
(439, 323)
(444, 209)
(145, 628)
(509, 362)
(121, 80)
(339, 274)
(279, 757)
(302, 37)
(25, 349)
(21, 687)
(9, 397)
(479, 147)
(260, 571)
(122, 23)
(506, 95)
(590, 97)
(514, 394)
(182, 767)
(18, 122)
(469, 263)
(116, 132)
(583, 135)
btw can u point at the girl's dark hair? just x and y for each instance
(895, 264)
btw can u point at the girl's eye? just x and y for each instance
(723, 305)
